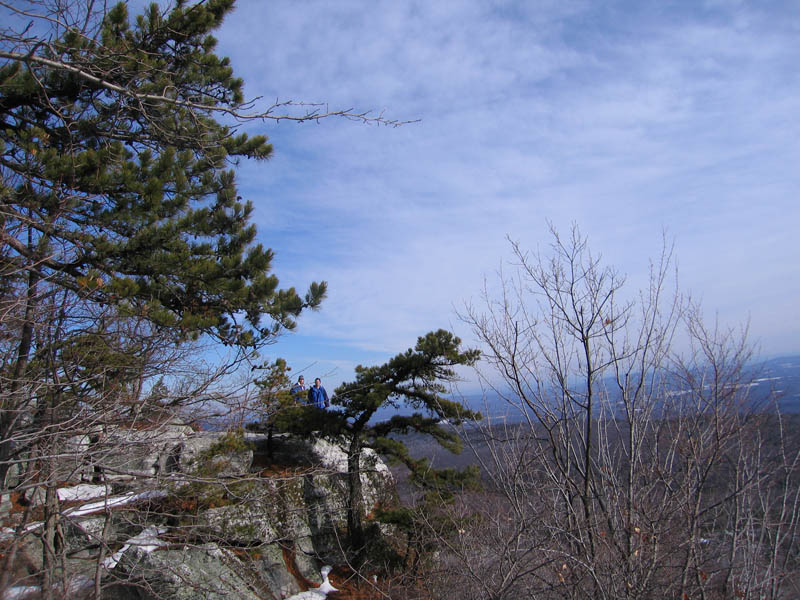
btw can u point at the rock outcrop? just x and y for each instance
(198, 515)
(185, 573)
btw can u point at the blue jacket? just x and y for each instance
(297, 392)
(317, 396)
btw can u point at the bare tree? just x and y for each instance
(633, 470)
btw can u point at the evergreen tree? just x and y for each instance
(117, 190)
(126, 199)
(413, 379)
(274, 396)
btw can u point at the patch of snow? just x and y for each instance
(86, 509)
(20, 592)
(113, 501)
(84, 491)
(146, 541)
(6, 533)
(325, 587)
(75, 585)
(322, 591)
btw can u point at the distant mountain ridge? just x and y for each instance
(779, 376)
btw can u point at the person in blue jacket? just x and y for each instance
(298, 390)
(317, 396)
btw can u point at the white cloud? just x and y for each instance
(623, 117)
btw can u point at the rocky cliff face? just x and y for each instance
(178, 514)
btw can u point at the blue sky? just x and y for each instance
(626, 118)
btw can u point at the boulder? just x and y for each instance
(328, 457)
(192, 517)
(292, 512)
(214, 454)
(272, 563)
(6, 506)
(141, 453)
(240, 524)
(122, 453)
(185, 573)
(83, 533)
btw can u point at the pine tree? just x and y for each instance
(128, 199)
(413, 379)
(118, 195)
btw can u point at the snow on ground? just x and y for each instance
(84, 491)
(147, 541)
(92, 507)
(19, 592)
(114, 501)
(76, 585)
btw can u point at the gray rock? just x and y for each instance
(81, 534)
(120, 453)
(241, 524)
(265, 511)
(141, 453)
(294, 513)
(187, 573)
(276, 576)
(328, 457)
(5, 505)
(73, 464)
(197, 455)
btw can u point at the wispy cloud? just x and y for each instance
(624, 117)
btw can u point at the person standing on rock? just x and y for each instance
(298, 390)
(317, 396)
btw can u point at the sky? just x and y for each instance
(626, 118)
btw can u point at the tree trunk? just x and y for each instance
(9, 406)
(49, 543)
(355, 524)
